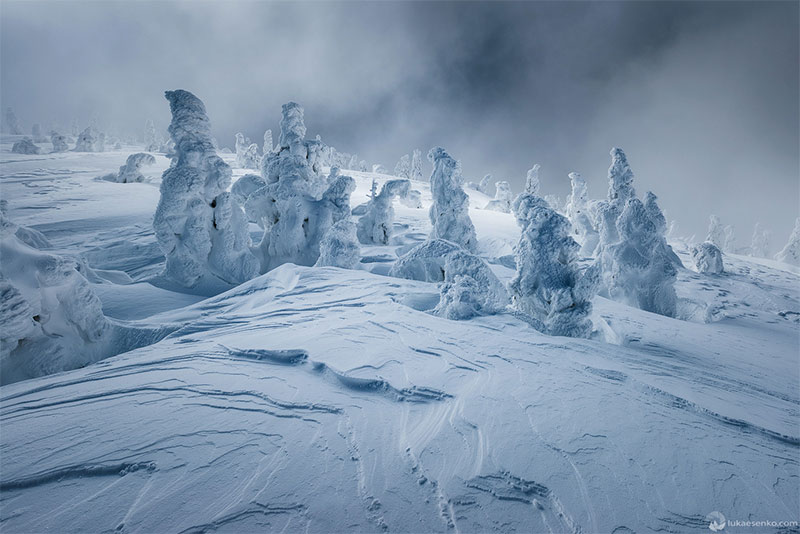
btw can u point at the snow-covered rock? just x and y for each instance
(375, 226)
(707, 258)
(449, 212)
(25, 146)
(201, 230)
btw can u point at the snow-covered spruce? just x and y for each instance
(502, 198)
(637, 269)
(151, 143)
(449, 212)
(246, 154)
(549, 286)
(759, 243)
(90, 140)
(577, 211)
(620, 189)
(707, 258)
(200, 228)
(485, 184)
(729, 240)
(791, 252)
(532, 180)
(297, 205)
(25, 146)
(403, 167)
(716, 232)
(132, 170)
(52, 321)
(660, 221)
(59, 142)
(268, 146)
(339, 246)
(379, 169)
(10, 122)
(470, 288)
(375, 226)
(415, 172)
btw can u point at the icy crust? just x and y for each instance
(449, 212)
(707, 258)
(201, 230)
(25, 146)
(549, 286)
(52, 321)
(375, 226)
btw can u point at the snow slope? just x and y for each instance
(327, 400)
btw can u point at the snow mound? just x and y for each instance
(25, 146)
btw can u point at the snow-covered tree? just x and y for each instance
(10, 122)
(791, 252)
(729, 242)
(620, 189)
(425, 262)
(375, 226)
(132, 170)
(416, 166)
(549, 286)
(532, 180)
(470, 288)
(74, 131)
(637, 269)
(25, 146)
(246, 153)
(379, 169)
(554, 202)
(716, 232)
(297, 205)
(577, 211)
(268, 146)
(759, 244)
(339, 246)
(485, 185)
(449, 212)
(201, 230)
(653, 211)
(502, 198)
(403, 167)
(707, 258)
(245, 186)
(36, 133)
(90, 140)
(59, 142)
(151, 143)
(412, 199)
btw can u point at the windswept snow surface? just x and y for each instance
(318, 399)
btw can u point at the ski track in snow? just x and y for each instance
(322, 400)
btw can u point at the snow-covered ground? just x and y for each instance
(327, 400)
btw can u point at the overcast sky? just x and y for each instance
(702, 96)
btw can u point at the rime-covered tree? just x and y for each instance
(151, 143)
(549, 286)
(759, 244)
(449, 212)
(339, 246)
(502, 198)
(620, 189)
(375, 226)
(10, 122)
(416, 166)
(90, 140)
(716, 232)
(268, 144)
(485, 184)
(577, 211)
(59, 142)
(132, 170)
(25, 146)
(791, 252)
(729, 242)
(532, 180)
(707, 258)
(200, 228)
(403, 167)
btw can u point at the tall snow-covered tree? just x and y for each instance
(502, 198)
(532, 180)
(416, 165)
(549, 286)
(10, 122)
(199, 227)
(59, 142)
(375, 226)
(151, 143)
(403, 167)
(339, 246)
(791, 252)
(729, 242)
(759, 244)
(716, 232)
(90, 140)
(449, 212)
(485, 185)
(620, 189)
(577, 211)
(268, 146)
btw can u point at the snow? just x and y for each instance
(707, 258)
(25, 146)
(323, 399)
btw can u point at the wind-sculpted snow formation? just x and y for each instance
(246, 186)
(25, 146)
(52, 321)
(449, 212)
(59, 142)
(502, 198)
(339, 246)
(375, 226)
(577, 211)
(200, 228)
(131, 172)
(298, 205)
(90, 140)
(549, 286)
(791, 252)
(707, 258)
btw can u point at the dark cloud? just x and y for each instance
(703, 96)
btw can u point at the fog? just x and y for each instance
(703, 97)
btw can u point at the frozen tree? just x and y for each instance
(353, 163)
(132, 170)
(502, 198)
(759, 244)
(74, 131)
(412, 199)
(362, 166)
(403, 167)
(425, 262)
(577, 211)
(25, 146)
(199, 227)
(554, 202)
(637, 269)
(59, 142)
(791, 252)
(532, 180)
(485, 184)
(470, 288)
(151, 143)
(246, 153)
(660, 222)
(268, 146)
(246, 186)
(449, 212)
(52, 321)
(11, 123)
(36, 133)
(379, 169)
(549, 286)
(339, 246)
(620, 189)
(707, 258)
(297, 205)
(416, 166)
(375, 226)
(729, 241)
(716, 232)
(90, 140)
